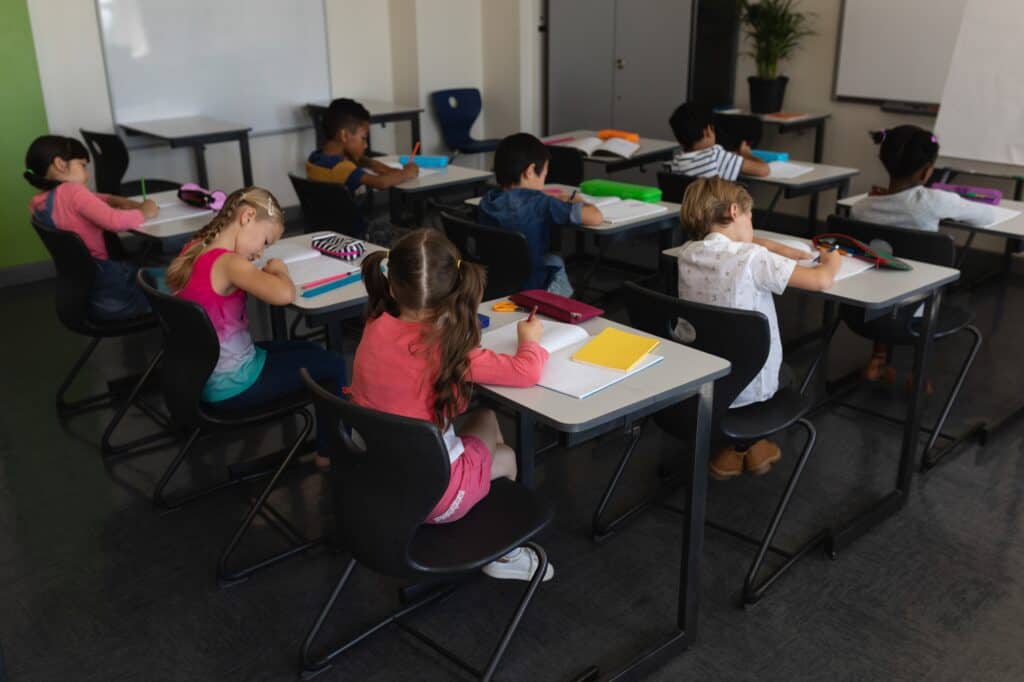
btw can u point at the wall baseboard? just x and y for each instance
(26, 273)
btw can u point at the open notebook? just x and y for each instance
(595, 146)
(423, 170)
(178, 210)
(848, 266)
(305, 264)
(616, 210)
(786, 170)
(560, 373)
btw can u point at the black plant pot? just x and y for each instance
(766, 94)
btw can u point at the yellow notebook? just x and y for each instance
(616, 349)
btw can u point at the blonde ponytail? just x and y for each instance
(266, 207)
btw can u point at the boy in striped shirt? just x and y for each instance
(701, 157)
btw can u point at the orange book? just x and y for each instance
(785, 115)
(611, 132)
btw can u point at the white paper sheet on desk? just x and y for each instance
(178, 211)
(785, 170)
(630, 209)
(848, 265)
(313, 269)
(423, 171)
(1002, 215)
(289, 252)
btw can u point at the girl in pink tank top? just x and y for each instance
(216, 271)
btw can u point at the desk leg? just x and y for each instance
(243, 149)
(278, 323)
(335, 336)
(415, 124)
(200, 153)
(819, 140)
(526, 451)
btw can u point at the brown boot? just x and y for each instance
(727, 463)
(761, 456)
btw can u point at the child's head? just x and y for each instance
(714, 203)
(251, 216)
(907, 152)
(423, 276)
(693, 124)
(347, 122)
(521, 160)
(53, 159)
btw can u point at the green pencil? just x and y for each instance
(143, 181)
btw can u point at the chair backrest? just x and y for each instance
(566, 165)
(936, 248)
(457, 110)
(673, 185)
(385, 482)
(743, 337)
(316, 114)
(110, 160)
(732, 129)
(504, 252)
(76, 273)
(326, 206)
(191, 350)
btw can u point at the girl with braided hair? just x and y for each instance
(217, 271)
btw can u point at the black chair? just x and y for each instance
(379, 519)
(673, 185)
(191, 350)
(505, 253)
(76, 273)
(110, 160)
(902, 329)
(743, 338)
(732, 129)
(457, 109)
(328, 206)
(566, 165)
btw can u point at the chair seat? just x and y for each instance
(110, 328)
(224, 417)
(756, 421)
(478, 146)
(509, 516)
(133, 188)
(951, 320)
(898, 331)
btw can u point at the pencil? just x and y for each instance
(415, 148)
(143, 182)
(532, 313)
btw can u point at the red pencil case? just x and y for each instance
(558, 307)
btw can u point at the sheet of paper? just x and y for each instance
(289, 252)
(786, 170)
(178, 211)
(313, 269)
(1002, 215)
(630, 209)
(848, 266)
(423, 171)
(557, 335)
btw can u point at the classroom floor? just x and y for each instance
(94, 585)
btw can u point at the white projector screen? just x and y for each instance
(256, 62)
(895, 50)
(982, 111)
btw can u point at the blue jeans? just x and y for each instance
(280, 376)
(115, 295)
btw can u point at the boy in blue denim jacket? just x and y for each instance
(521, 166)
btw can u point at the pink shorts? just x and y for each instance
(470, 482)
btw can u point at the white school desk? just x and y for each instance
(197, 132)
(877, 292)
(381, 112)
(683, 373)
(168, 229)
(444, 178)
(651, 150)
(821, 179)
(329, 309)
(803, 122)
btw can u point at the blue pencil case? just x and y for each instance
(769, 156)
(426, 161)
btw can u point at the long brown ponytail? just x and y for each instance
(424, 272)
(261, 200)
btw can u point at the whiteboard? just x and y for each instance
(896, 50)
(982, 112)
(255, 62)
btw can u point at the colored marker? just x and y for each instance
(327, 280)
(415, 149)
(331, 286)
(143, 182)
(560, 140)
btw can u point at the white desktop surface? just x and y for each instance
(350, 295)
(648, 146)
(822, 173)
(449, 175)
(166, 229)
(184, 127)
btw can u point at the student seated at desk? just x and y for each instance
(217, 271)
(419, 357)
(520, 168)
(908, 154)
(343, 157)
(694, 127)
(725, 265)
(59, 167)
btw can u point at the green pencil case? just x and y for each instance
(610, 188)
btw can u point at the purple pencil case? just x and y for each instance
(983, 195)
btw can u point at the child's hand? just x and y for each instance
(410, 170)
(745, 149)
(149, 209)
(830, 258)
(530, 331)
(275, 266)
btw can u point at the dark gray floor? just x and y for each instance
(94, 585)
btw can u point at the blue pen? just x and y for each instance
(331, 286)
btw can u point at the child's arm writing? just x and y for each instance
(272, 284)
(783, 250)
(522, 369)
(817, 278)
(105, 216)
(386, 176)
(148, 207)
(590, 214)
(751, 164)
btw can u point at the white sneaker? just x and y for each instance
(519, 564)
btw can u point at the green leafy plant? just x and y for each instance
(775, 28)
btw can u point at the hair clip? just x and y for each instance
(935, 140)
(270, 206)
(458, 264)
(29, 171)
(882, 132)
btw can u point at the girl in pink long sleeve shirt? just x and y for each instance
(419, 357)
(59, 167)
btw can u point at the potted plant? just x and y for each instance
(775, 28)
